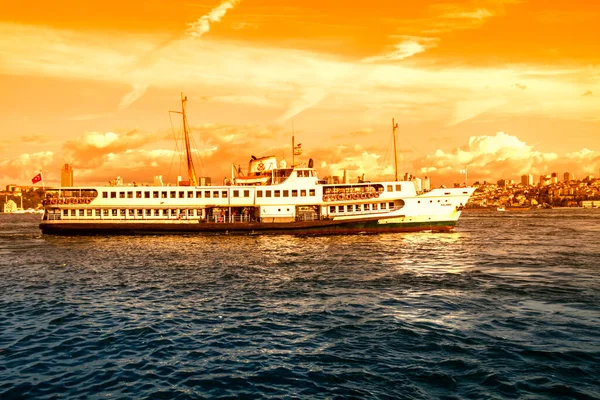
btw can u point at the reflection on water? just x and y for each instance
(505, 306)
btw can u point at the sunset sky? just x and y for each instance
(500, 87)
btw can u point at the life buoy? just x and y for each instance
(52, 201)
(325, 198)
(261, 166)
(363, 195)
(341, 196)
(376, 194)
(88, 200)
(355, 196)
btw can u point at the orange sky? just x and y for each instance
(503, 87)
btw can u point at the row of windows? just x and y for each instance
(131, 213)
(361, 207)
(173, 194)
(284, 193)
(390, 188)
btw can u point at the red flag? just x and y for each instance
(36, 178)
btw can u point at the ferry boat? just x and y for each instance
(270, 197)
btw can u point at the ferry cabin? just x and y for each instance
(291, 195)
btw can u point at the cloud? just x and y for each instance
(136, 92)
(587, 93)
(25, 166)
(519, 86)
(503, 156)
(93, 149)
(199, 27)
(194, 31)
(410, 46)
(35, 139)
(310, 98)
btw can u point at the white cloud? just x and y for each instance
(410, 46)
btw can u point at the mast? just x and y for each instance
(190, 163)
(394, 128)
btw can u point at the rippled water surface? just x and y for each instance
(507, 306)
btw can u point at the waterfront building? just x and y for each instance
(568, 176)
(527, 180)
(66, 176)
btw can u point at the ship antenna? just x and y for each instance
(394, 128)
(190, 163)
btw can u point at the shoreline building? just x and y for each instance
(527, 180)
(568, 176)
(66, 176)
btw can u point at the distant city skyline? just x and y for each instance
(494, 87)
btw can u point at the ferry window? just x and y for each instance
(357, 207)
(114, 213)
(105, 195)
(267, 193)
(389, 188)
(207, 194)
(163, 195)
(190, 195)
(122, 213)
(331, 209)
(73, 213)
(382, 206)
(147, 194)
(113, 195)
(131, 213)
(121, 195)
(172, 194)
(246, 193)
(375, 206)
(173, 212)
(96, 212)
(277, 193)
(340, 208)
(82, 213)
(366, 207)
(236, 193)
(154, 195)
(148, 213)
(66, 213)
(294, 193)
(198, 194)
(216, 194)
(286, 193)
(398, 188)
(224, 194)
(181, 195)
(140, 213)
(105, 213)
(259, 193)
(349, 208)
(391, 205)
(130, 195)
(138, 194)
(311, 192)
(157, 213)
(303, 193)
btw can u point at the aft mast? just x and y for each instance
(190, 163)
(394, 128)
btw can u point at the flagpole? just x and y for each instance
(43, 185)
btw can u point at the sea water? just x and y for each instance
(507, 306)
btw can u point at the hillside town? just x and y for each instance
(549, 191)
